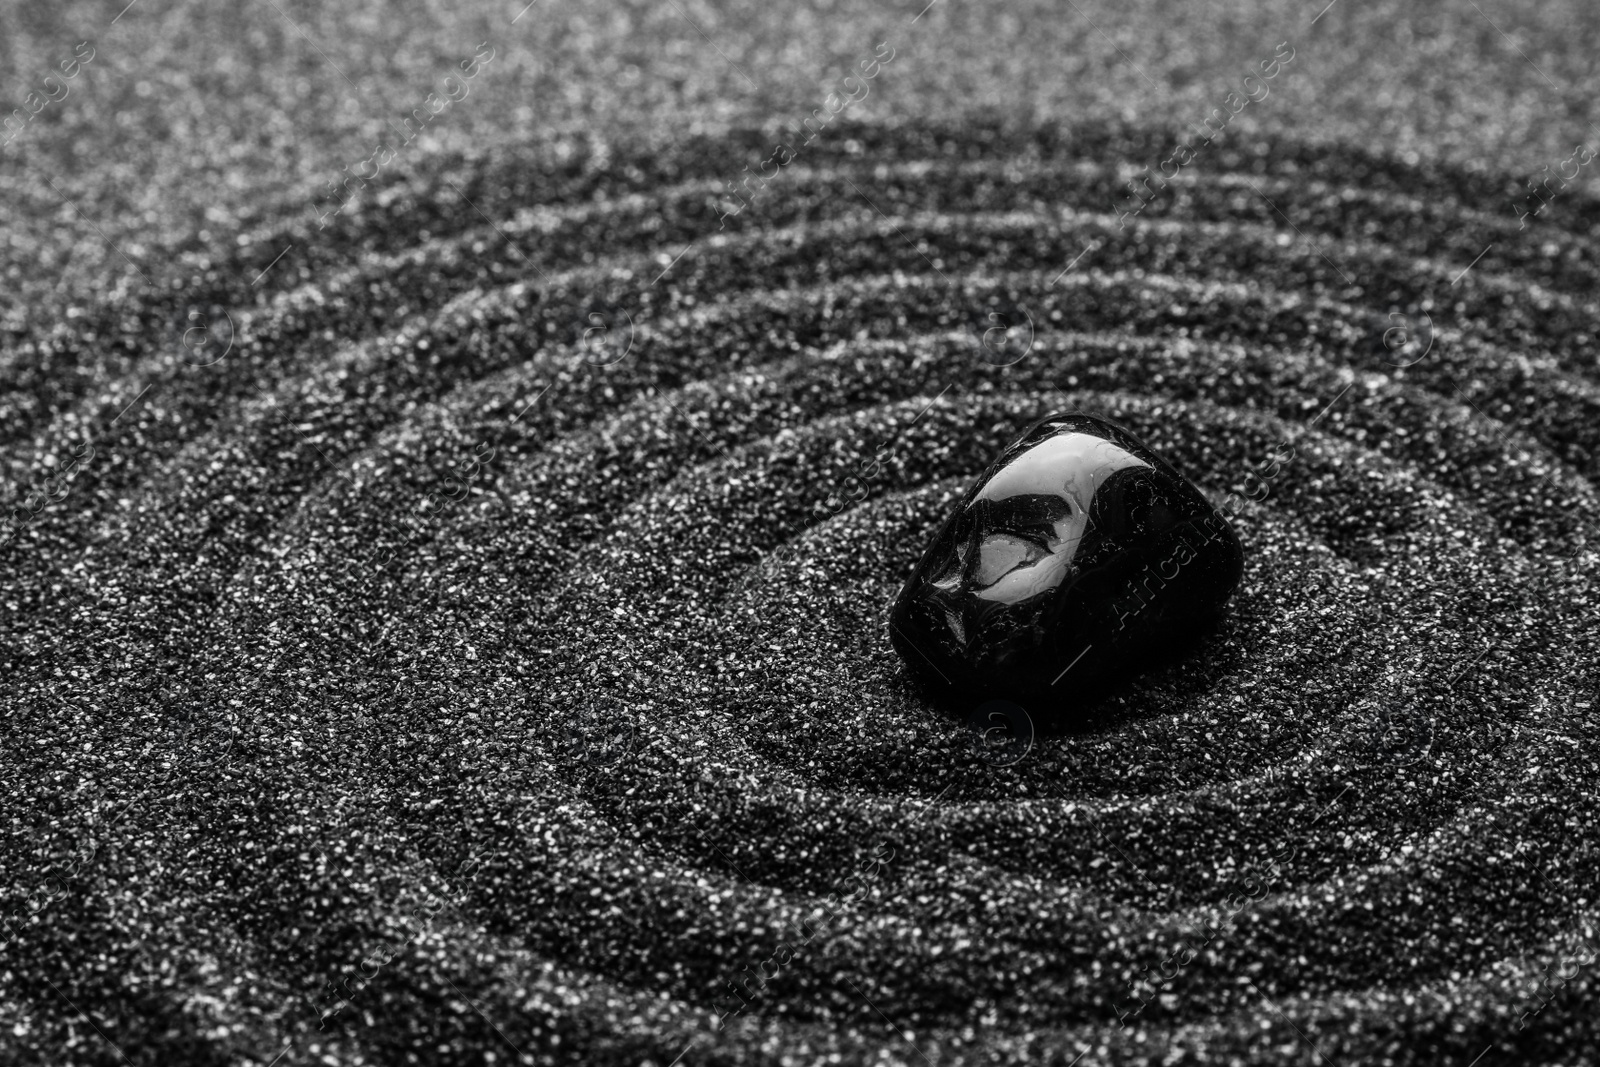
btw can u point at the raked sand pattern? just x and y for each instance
(491, 667)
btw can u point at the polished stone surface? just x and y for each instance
(1079, 557)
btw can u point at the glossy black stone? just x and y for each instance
(1078, 558)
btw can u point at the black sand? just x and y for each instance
(550, 678)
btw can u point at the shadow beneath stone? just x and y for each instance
(1185, 668)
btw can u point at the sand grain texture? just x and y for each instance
(541, 675)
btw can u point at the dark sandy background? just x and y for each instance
(452, 634)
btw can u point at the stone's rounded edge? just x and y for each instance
(1110, 621)
(1118, 434)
